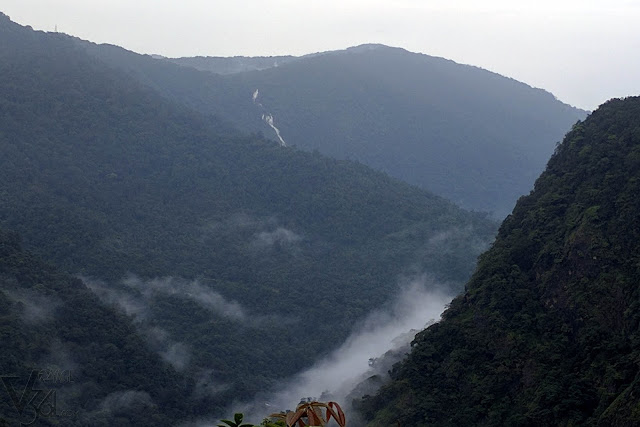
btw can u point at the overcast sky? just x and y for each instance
(583, 51)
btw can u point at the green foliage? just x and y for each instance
(547, 330)
(104, 177)
(237, 422)
(466, 134)
(50, 322)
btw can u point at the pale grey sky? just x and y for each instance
(583, 51)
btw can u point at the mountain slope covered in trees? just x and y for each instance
(101, 371)
(548, 330)
(472, 136)
(224, 249)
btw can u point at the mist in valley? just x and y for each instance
(357, 366)
(362, 361)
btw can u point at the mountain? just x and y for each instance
(236, 64)
(547, 331)
(238, 261)
(469, 135)
(100, 371)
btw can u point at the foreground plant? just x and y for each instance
(309, 414)
(237, 422)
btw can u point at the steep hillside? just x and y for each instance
(547, 332)
(224, 249)
(472, 136)
(100, 371)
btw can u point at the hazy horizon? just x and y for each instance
(581, 51)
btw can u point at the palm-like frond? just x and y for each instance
(309, 414)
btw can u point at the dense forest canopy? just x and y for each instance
(469, 135)
(102, 372)
(547, 330)
(163, 249)
(214, 248)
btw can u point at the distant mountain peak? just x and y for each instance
(367, 47)
(420, 118)
(5, 19)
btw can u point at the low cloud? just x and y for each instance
(137, 305)
(177, 354)
(279, 236)
(133, 304)
(134, 297)
(193, 290)
(260, 233)
(381, 340)
(36, 308)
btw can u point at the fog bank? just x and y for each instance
(419, 303)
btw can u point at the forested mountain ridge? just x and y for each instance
(469, 135)
(474, 137)
(233, 65)
(547, 332)
(221, 247)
